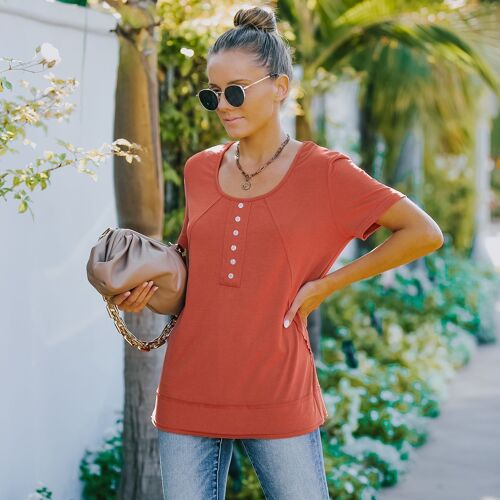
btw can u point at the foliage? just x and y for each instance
(449, 295)
(100, 469)
(424, 106)
(444, 54)
(34, 110)
(413, 39)
(242, 482)
(82, 3)
(188, 28)
(449, 193)
(495, 190)
(467, 293)
(41, 493)
(385, 372)
(495, 172)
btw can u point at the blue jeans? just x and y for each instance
(196, 467)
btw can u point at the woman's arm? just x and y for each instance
(414, 234)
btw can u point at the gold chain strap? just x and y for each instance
(114, 314)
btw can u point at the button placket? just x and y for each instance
(234, 243)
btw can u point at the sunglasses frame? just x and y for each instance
(243, 88)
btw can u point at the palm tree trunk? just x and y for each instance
(139, 191)
(368, 139)
(140, 474)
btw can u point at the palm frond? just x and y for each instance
(431, 39)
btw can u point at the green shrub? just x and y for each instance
(41, 493)
(100, 469)
(390, 345)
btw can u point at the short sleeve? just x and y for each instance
(357, 199)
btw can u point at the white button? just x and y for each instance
(240, 205)
(230, 275)
(237, 218)
(233, 247)
(233, 261)
(236, 232)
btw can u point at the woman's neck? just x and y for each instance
(259, 148)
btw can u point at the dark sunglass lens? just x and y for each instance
(208, 99)
(234, 95)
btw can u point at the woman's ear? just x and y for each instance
(281, 87)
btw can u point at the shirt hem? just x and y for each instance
(236, 436)
(270, 421)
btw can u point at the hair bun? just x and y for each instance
(261, 18)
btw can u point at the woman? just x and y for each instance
(266, 217)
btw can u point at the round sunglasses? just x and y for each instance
(234, 94)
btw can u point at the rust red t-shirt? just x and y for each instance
(231, 369)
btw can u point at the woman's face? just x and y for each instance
(262, 100)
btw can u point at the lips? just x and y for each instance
(229, 120)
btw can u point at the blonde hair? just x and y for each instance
(256, 32)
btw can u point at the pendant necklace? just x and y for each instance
(246, 185)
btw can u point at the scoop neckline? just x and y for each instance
(295, 160)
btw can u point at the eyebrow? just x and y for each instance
(232, 81)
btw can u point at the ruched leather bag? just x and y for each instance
(123, 259)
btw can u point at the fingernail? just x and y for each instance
(127, 294)
(155, 288)
(286, 323)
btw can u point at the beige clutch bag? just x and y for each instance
(123, 259)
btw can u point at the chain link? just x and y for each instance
(114, 314)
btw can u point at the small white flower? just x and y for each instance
(388, 278)
(49, 54)
(395, 334)
(187, 52)
(94, 469)
(386, 395)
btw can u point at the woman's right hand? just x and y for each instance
(135, 300)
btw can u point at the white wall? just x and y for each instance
(61, 358)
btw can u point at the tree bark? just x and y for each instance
(139, 192)
(140, 475)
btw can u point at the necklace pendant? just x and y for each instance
(246, 185)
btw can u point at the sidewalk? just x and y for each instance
(461, 460)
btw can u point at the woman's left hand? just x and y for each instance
(308, 298)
